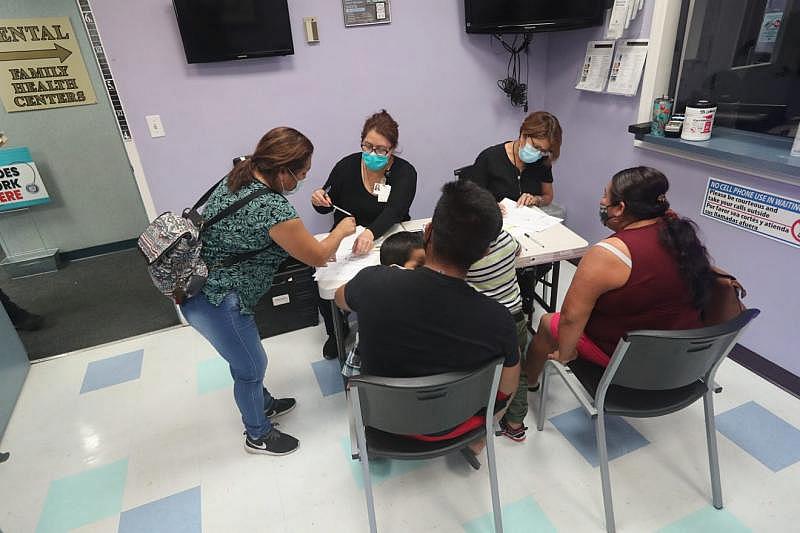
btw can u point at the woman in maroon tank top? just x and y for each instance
(652, 273)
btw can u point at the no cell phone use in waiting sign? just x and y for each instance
(766, 214)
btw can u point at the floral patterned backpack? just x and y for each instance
(172, 243)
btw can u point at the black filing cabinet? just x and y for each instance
(291, 302)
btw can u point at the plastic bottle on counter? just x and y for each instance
(699, 121)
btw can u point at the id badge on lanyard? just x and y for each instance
(382, 191)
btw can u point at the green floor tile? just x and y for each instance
(213, 374)
(706, 520)
(523, 516)
(83, 498)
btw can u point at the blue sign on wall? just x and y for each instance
(20, 182)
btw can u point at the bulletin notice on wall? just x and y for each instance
(41, 65)
(760, 212)
(364, 12)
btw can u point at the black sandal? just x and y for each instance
(471, 458)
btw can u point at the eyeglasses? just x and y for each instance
(369, 147)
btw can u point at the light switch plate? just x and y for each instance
(155, 126)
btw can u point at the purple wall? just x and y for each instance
(597, 145)
(438, 83)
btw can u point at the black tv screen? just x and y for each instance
(520, 16)
(221, 30)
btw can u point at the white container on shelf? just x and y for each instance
(699, 121)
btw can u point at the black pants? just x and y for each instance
(15, 312)
(528, 277)
(325, 310)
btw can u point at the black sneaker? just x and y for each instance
(517, 435)
(330, 350)
(280, 406)
(273, 443)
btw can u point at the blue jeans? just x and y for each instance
(235, 336)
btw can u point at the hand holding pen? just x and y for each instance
(320, 198)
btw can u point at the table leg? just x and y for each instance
(338, 332)
(554, 287)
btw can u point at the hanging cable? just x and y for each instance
(511, 85)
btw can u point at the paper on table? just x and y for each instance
(345, 269)
(525, 219)
(594, 73)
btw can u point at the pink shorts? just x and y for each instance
(587, 349)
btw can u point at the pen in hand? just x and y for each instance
(334, 206)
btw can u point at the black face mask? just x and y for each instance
(604, 217)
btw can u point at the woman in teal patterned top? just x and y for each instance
(269, 225)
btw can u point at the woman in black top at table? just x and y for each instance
(375, 185)
(521, 169)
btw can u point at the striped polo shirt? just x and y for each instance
(495, 276)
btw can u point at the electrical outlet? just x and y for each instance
(155, 126)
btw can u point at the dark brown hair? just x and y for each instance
(383, 123)
(543, 125)
(281, 148)
(644, 192)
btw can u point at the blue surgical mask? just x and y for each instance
(528, 154)
(374, 161)
(297, 187)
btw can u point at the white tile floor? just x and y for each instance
(175, 439)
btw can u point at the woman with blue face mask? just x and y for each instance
(373, 184)
(521, 169)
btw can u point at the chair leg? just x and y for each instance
(364, 458)
(496, 511)
(713, 454)
(542, 398)
(605, 478)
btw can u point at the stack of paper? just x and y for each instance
(347, 264)
(520, 220)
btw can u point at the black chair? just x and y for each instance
(652, 373)
(386, 409)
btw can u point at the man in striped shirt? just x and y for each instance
(495, 276)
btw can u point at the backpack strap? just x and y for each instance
(235, 206)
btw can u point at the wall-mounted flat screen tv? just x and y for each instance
(223, 30)
(522, 16)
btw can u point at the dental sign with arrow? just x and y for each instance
(41, 65)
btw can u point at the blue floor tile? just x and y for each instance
(112, 371)
(380, 469)
(578, 428)
(83, 498)
(179, 513)
(767, 437)
(707, 520)
(329, 376)
(522, 516)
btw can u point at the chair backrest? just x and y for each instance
(662, 360)
(424, 405)
(463, 173)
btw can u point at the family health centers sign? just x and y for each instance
(770, 215)
(41, 65)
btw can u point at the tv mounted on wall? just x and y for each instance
(224, 30)
(525, 16)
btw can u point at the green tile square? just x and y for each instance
(522, 516)
(212, 375)
(380, 468)
(83, 498)
(707, 519)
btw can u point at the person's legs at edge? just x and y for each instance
(235, 336)
(543, 343)
(329, 349)
(512, 423)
